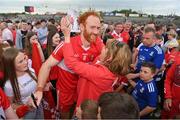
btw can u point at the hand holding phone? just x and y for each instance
(34, 100)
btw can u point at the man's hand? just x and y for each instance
(66, 26)
(168, 104)
(48, 86)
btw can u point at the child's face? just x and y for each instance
(146, 74)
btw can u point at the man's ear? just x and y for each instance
(153, 75)
(81, 27)
(99, 113)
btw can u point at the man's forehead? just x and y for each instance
(128, 23)
(148, 34)
(93, 25)
(119, 25)
(93, 19)
(24, 23)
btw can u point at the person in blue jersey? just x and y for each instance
(148, 51)
(145, 91)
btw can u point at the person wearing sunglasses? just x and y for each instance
(100, 77)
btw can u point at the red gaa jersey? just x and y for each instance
(94, 79)
(67, 78)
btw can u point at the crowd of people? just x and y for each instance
(106, 71)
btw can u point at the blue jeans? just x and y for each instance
(35, 113)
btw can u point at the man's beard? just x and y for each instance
(90, 37)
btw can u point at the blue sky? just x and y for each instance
(156, 7)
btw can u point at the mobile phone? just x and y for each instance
(34, 100)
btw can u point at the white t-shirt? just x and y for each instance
(26, 85)
(7, 34)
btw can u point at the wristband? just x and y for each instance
(40, 89)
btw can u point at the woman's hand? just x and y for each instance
(131, 76)
(38, 97)
(133, 67)
(36, 43)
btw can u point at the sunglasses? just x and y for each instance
(117, 43)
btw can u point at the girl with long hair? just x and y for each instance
(53, 39)
(31, 38)
(19, 81)
(34, 51)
